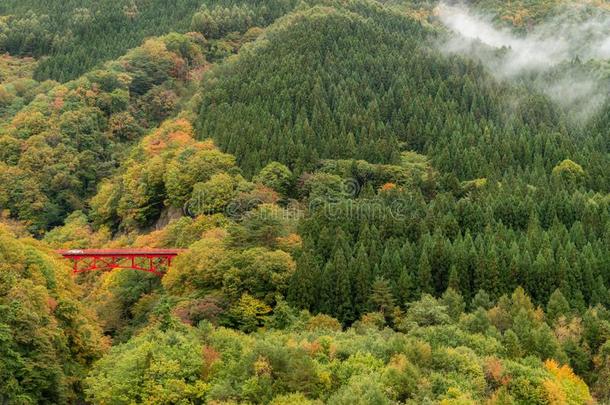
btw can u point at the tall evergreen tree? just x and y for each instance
(424, 275)
(381, 298)
(362, 279)
(558, 306)
(304, 283)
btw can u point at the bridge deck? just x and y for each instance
(119, 252)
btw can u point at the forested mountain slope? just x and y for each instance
(59, 140)
(48, 340)
(75, 36)
(358, 81)
(240, 266)
(372, 216)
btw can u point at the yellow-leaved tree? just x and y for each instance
(47, 338)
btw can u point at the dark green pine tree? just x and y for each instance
(563, 269)
(440, 260)
(303, 289)
(361, 279)
(545, 268)
(480, 270)
(386, 270)
(514, 270)
(454, 279)
(325, 242)
(364, 234)
(391, 265)
(574, 292)
(374, 270)
(374, 244)
(405, 287)
(344, 310)
(526, 270)
(588, 271)
(468, 272)
(342, 244)
(492, 273)
(407, 254)
(327, 302)
(599, 295)
(459, 271)
(424, 275)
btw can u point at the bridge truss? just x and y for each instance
(155, 261)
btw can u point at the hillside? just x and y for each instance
(377, 206)
(369, 84)
(76, 36)
(48, 339)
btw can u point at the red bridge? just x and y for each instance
(156, 261)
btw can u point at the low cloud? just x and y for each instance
(559, 41)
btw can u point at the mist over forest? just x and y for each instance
(561, 56)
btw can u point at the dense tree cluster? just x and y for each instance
(366, 84)
(169, 169)
(440, 356)
(68, 137)
(368, 220)
(47, 338)
(218, 18)
(494, 237)
(17, 87)
(379, 242)
(78, 35)
(523, 14)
